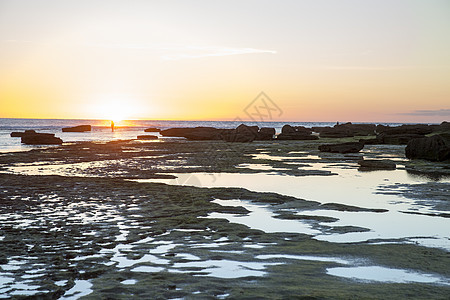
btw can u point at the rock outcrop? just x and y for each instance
(289, 132)
(265, 134)
(434, 148)
(242, 133)
(420, 129)
(196, 133)
(79, 128)
(333, 132)
(356, 129)
(351, 147)
(397, 139)
(152, 129)
(147, 137)
(35, 138)
(377, 164)
(20, 134)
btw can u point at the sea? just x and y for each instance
(127, 129)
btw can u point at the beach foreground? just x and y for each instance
(210, 219)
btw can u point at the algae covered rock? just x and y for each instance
(351, 147)
(377, 164)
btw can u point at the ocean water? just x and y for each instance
(101, 130)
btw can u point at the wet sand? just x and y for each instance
(89, 219)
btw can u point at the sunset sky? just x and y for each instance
(372, 61)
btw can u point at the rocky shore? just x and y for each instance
(81, 221)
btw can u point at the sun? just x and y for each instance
(115, 108)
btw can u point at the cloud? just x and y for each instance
(164, 51)
(191, 52)
(382, 68)
(436, 112)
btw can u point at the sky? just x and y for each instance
(324, 60)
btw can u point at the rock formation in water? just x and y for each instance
(79, 128)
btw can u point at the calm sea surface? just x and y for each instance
(101, 130)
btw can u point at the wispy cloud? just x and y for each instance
(199, 52)
(381, 68)
(164, 51)
(191, 52)
(437, 112)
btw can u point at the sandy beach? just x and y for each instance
(211, 219)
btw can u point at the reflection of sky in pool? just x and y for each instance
(349, 187)
(377, 273)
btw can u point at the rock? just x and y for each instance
(35, 138)
(265, 134)
(244, 129)
(397, 139)
(289, 132)
(320, 129)
(434, 148)
(421, 129)
(79, 128)
(16, 134)
(204, 133)
(196, 133)
(288, 129)
(444, 126)
(377, 164)
(297, 136)
(356, 129)
(147, 137)
(152, 129)
(375, 141)
(335, 132)
(20, 134)
(351, 147)
(242, 134)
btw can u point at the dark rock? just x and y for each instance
(34, 138)
(147, 137)
(244, 129)
(345, 130)
(435, 148)
(320, 129)
(421, 129)
(242, 134)
(197, 133)
(356, 129)
(152, 129)
(267, 131)
(296, 136)
(20, 134)
(289, 132)
(16, 134)
(375, 141)
(377, 164)
(444, 126)
(265, 134)
(335, 133)
(205, 133)
(79, 128)
(288, 129)
(351, 147)
(397, 139)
